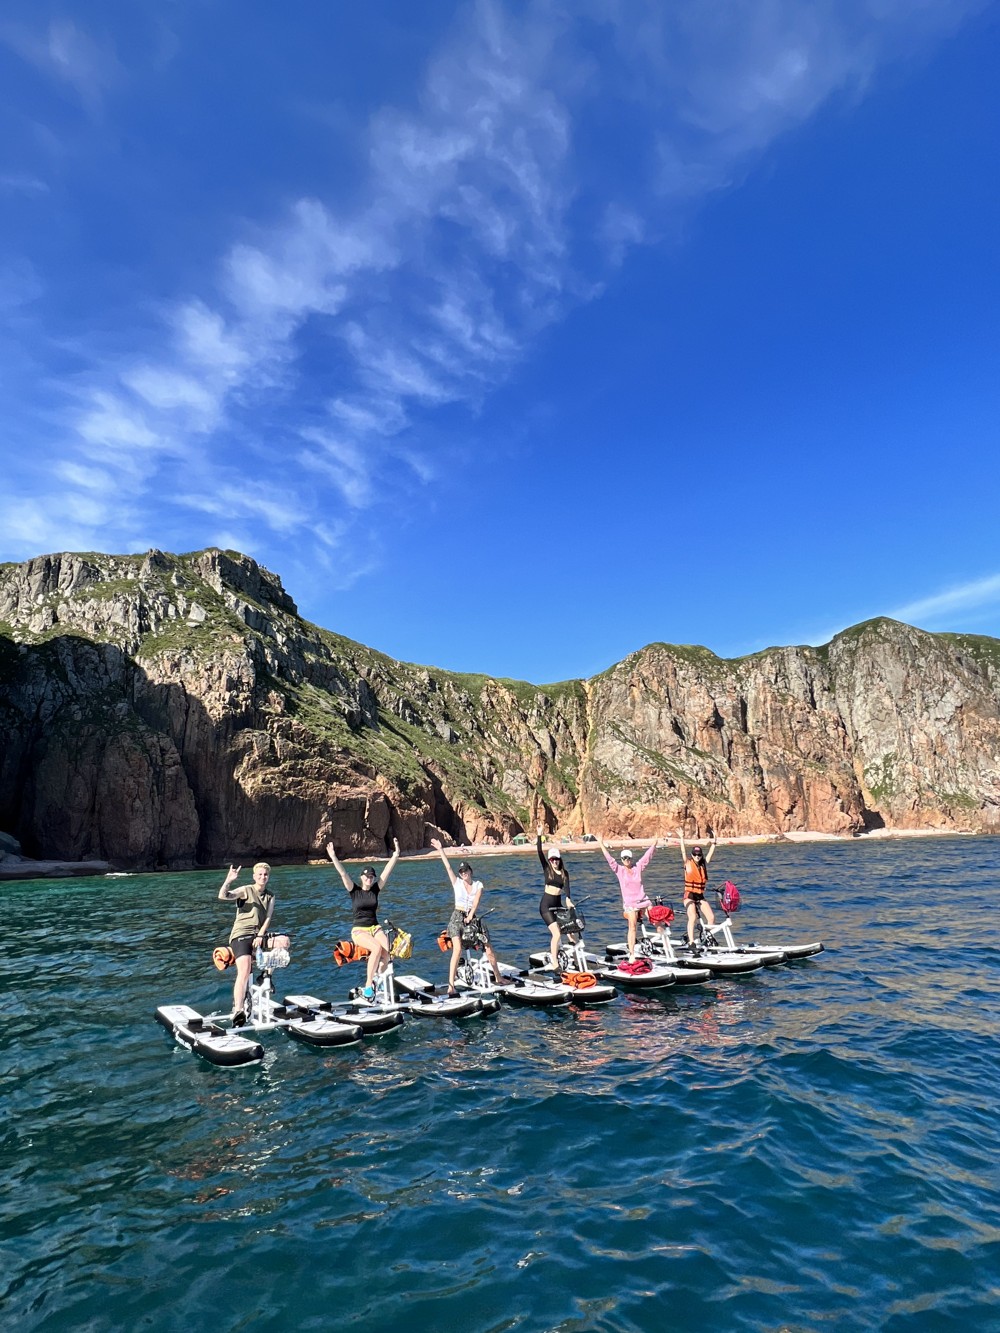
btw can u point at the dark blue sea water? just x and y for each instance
(811, 1147)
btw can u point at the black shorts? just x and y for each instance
(243, 947)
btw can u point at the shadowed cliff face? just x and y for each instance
(176, 710)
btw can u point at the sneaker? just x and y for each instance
(369, 992)
(239, 1018)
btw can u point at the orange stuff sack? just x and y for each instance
(444, 941)
(579, 980)
(349, 952)
(223, 957)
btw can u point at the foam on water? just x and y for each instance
(807, 1147)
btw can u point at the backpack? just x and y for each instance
(660, 914)
(729, 898)
(636, 969)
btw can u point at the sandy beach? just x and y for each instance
(17, 867)
(565, 844)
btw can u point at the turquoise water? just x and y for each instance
(810, 1147)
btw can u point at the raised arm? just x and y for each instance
(711, 851)
(646, 857)
(436, 844)
(392, 861)
(684, 850)
(345, 878)
(227, 892)
(541, 852)
(607, 855)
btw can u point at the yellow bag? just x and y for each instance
(402, 945)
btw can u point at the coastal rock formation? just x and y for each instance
(176, 710)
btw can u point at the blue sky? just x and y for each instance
(518, 336)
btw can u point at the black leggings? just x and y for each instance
(550, 904)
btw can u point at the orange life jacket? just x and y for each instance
(444, 941)
(695, 876)
(579, 980)
(349, 952)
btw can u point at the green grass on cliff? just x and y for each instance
(983, 650)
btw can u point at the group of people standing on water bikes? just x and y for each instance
(255, 907)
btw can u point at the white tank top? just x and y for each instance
(465, 894)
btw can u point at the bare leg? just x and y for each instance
(377, 946)
(692, 920)
(240, 984)
(456, 958)
(498, 976)
(631, 918)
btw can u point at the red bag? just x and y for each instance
(659, 915)
(637, 968)
(729, 898)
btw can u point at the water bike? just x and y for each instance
(372, 1022)
(210, 1038)
(707, 954)
(475, 975)
(207, 1038)
(407, 993)
(720, 935)
(586, 975)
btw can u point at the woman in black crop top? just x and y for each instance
(554, 894)
(365, 929)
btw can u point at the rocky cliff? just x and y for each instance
(176, 710)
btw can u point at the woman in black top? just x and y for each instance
(365, 929)
(554, 894)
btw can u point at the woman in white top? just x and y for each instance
(467, 895)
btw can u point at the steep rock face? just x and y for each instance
(923, 718)
(680, 735)
(176, 710)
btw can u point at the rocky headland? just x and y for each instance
(165, 710)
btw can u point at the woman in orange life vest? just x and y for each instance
(365, 929)
(695, 880)
(255, 906)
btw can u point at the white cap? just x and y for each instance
(552, 853)
(627, 851)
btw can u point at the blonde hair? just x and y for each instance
(262, 865)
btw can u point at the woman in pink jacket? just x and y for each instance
(634, 900)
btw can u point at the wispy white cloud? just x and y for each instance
(22, 183)
(480, 222)
(66, 52)
(961, 598)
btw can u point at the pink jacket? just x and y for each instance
(630, 880)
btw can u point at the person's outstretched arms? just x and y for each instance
(684, 850)
(607, 855)
(345, 878)
(436, 844)
(392, 861)
(711, 850)
(646, 857)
